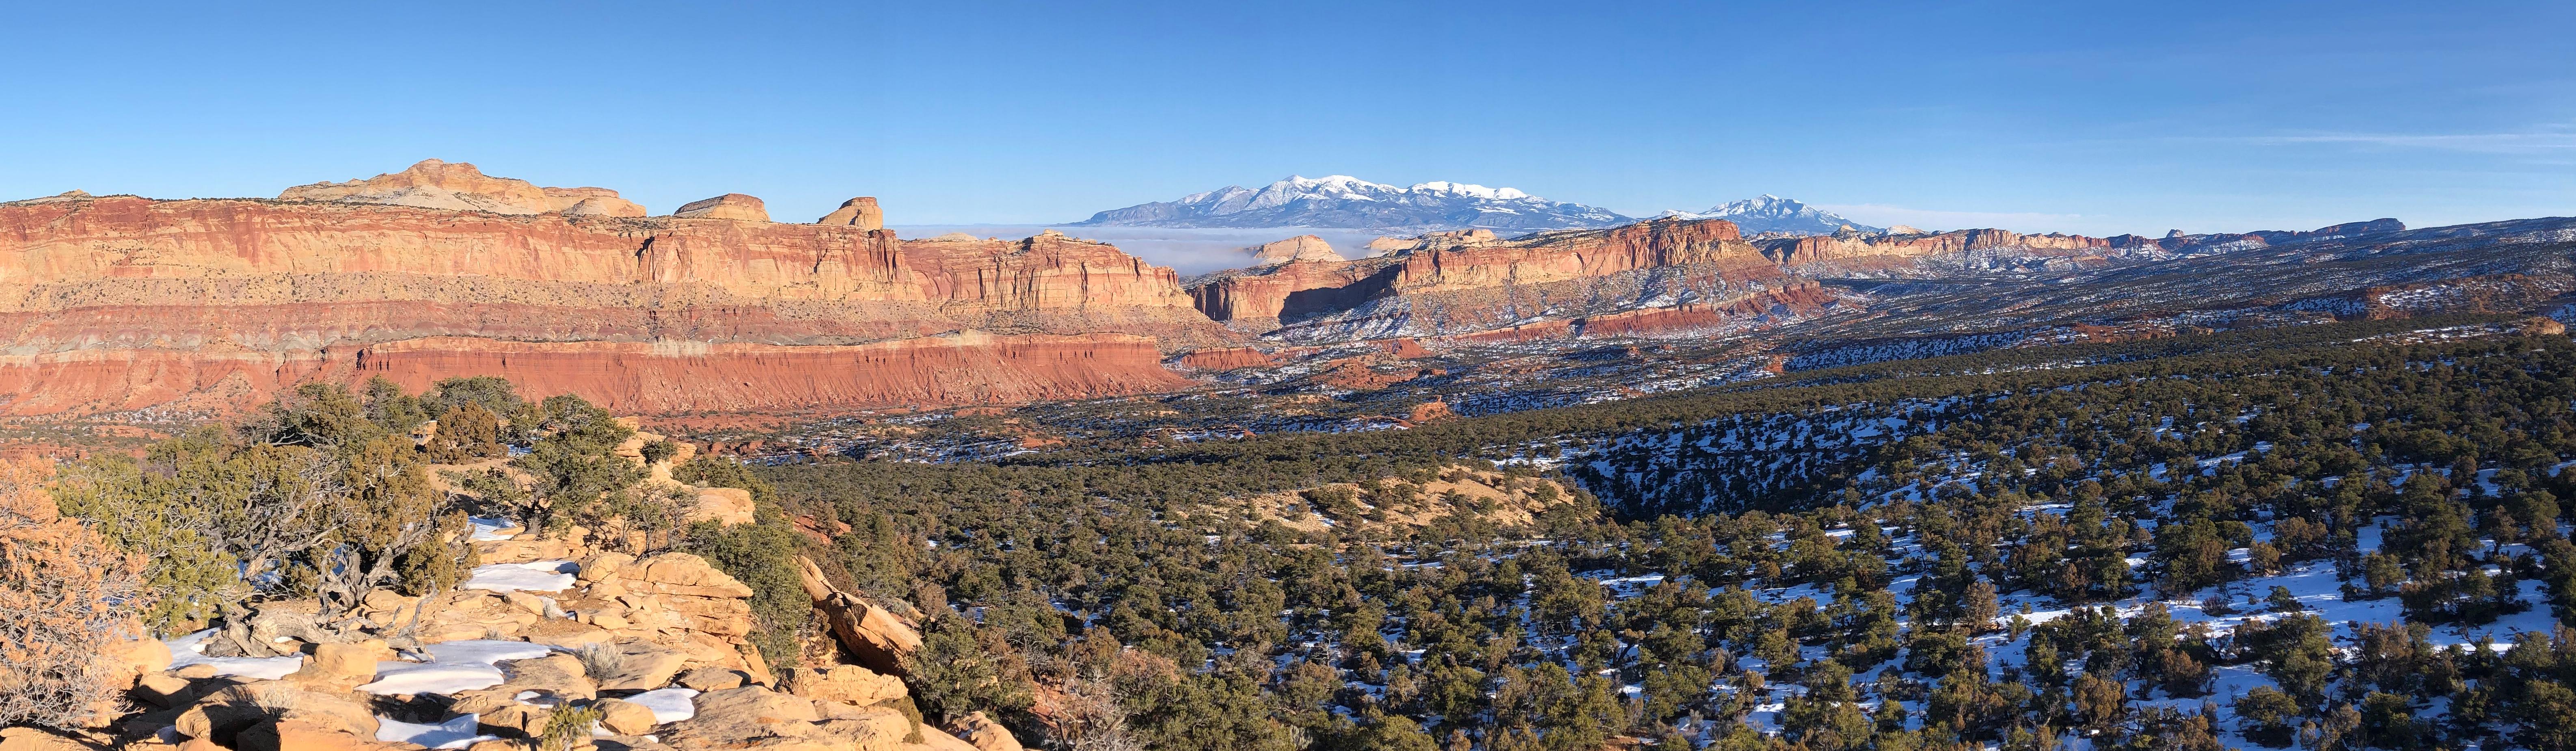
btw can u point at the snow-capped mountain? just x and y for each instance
(1345, 202)
(1770, 213)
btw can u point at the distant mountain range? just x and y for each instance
(1345, 202)
(1770, 213)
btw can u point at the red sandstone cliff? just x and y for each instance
(1463, 264)
(123, 303)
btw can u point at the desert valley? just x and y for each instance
(1328, 376)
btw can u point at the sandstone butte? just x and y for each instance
(122, 303)
(118, 303)
(1459, 266)
(1463, 273)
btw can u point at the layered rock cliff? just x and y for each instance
(434, 184)
(124, 303)
(1458, 282)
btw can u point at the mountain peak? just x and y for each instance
(1346, 202)
(1770, 213)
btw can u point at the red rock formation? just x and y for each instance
(1262, 293)
(1460, 261)
(734, 206)
(860, 212)
(126, 303)
(441, 185)
(1558, 256)
(1853, 245)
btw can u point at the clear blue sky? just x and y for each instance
(2035, 116)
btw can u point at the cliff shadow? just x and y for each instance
(1321, 301)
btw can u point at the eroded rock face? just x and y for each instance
(847, 684)
(123, 303)
(433, 184)
(1299, 248)
(734, 206)
(860, 212)
(1464, 262)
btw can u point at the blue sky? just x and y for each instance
(2033, 116)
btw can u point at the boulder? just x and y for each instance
(294, 733)
(520, 720)
(725, 506)
(713, 678)
(860, 212)
(130, 661)
(482, 701)
(568, 634)
(34, 739)
(847, 684)
(473, 614)
(644, 669)
(735, 206)
(625, 717)
(685, 574)
(222, 714)
(878, 638)
(733, 716)
(164, 690)
(560, 675)
(343, 666)
(985, 734)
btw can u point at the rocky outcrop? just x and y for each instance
(624, 636)
(1560, 256)
(1903, 242)
(1263, 294)
(1299, 248)
(1465, 238)
(123, 303)
(860, 212)
(433, 184)
(1856, 245)
(877, 639)
(1478, 280)
(734, 206)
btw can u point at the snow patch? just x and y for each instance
(534, 576)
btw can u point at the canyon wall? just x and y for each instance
(122, 303)
(1466, 261)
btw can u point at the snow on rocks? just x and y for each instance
(191, 650)
(669, 704)
(393, 678)
(534, 576)
(452, 667)
(487, 529)
(456, 732)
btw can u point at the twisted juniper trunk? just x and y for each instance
(408, 637)
(237, 631)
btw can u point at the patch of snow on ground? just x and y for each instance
(487, 528)
(431, 677)
(486, 651)
(534, 576)
(456, 732)
(669, 704)
(452, 666)
(191, 650)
